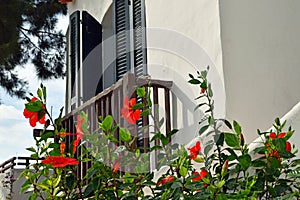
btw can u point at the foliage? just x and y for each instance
(30, 26)
(120, 170)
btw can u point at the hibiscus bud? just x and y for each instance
(242, 140)
(273, 136)
(288, 146)
(281, 135)
(165, 180)
(224, 168)
(202, 91)
(62, 148)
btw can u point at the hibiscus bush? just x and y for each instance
(217, 166)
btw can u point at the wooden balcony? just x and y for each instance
(110, 102)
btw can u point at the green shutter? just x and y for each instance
(74, 48)
(139, 38)
(122, 42)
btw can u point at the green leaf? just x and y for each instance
(39, 93)
(33, 196)
(125, 135)
(176, 185)
(277, 121)
(45, 93)
(164, 140)
(141, 92)
(156, 136)
(227, 123)
(191, 76)
(70, 180)
(210, 92)
(280, 144)
(161, 122)
(237, 127)
(194, 81)
(258, 163)
(295, 162)
(34, 106)
(156, 147)
(46, 135)
(204, 73)
(137, 106)
(204, 85)
(232, 153)
(219, 139)
(31, 149)
(294, 174)
(220, 184)
(231, 140)
(56, 181)
(149, 99)
(274, 163)
(107, 123)
(203, 129)
(183, 171)
(172, 132)
(245, 161)
(88, 190)
(145, 113)
(208, 147)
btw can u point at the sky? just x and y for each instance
(15, 132)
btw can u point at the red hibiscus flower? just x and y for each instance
(79, 133)
(165, 180)
(59, 161)
(128, 113)
(116, 166)
(199, 176)
(35, 117)
(195, 150)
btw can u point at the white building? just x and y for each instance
(251, 46)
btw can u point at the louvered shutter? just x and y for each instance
(91, 56)
(122, 45)
(74, 49)
(139, 37)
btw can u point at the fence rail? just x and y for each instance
(110, 102)
(16, 161)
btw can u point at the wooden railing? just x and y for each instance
(110, 102)
(16, 161)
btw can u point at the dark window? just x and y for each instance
(91, 56)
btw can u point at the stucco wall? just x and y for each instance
(96, 8)
(183, 37)
(261, 46)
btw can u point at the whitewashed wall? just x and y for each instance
(97, 8)
(261, 47)
(183, 37)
